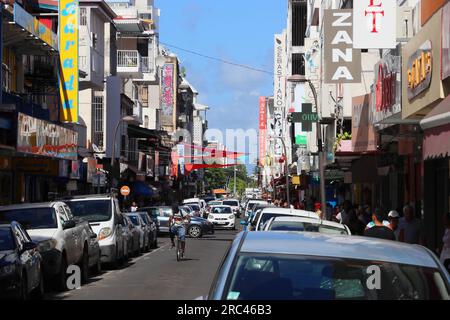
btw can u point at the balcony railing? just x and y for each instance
(128, 59)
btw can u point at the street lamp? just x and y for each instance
(297, 78)
(286, 170)
(126, 119)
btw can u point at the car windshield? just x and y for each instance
(6, 239)
(220, 210)
(91, 210)
(31, 218)
(194, 207)
(135, 220)
(144, 217)
(304, 226)
(286, 277)
(267, 216)
(232, 203)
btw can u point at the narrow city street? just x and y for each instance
(158, 275)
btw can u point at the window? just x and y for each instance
(97, 109)
(33, 218)
(91, 210)
(298, 63)
(299, 16)
(146, 121)
(83, 17)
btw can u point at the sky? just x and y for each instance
(239, 31)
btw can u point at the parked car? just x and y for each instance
(197, 211)
(306, 265)
(153, 232)
(251, 203)
(198, 226)
(95, 255)
(305, 224)
(250, 222)
(104, 216)
(234, 204)
(63, 240)
(127, 236)
(21, 273)
(222, 217)
(132, 236)
(153, 212)
(143, 231)
(200, 202)
(163, 219)
(270, 212)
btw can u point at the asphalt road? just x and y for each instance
(157, 275)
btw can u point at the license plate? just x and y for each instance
(220, 222)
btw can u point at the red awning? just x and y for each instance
(436, 142)
(436, 126)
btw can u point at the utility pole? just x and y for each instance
(234, 185)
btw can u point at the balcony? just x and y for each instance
(129, 63)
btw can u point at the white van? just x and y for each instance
(104, 216)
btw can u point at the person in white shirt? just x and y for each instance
(445, 252)
(134, 207)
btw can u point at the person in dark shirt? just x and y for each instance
(379, 230)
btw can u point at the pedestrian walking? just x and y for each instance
(410, 227)
(379, 230)
(394, 218)
(355, 225)
(344, 215)
(445, 252)
(133, 207)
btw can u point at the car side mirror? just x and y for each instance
(69, 224)
(29, 246)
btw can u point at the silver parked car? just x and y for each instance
(151, 226)
(305, 224)
(305, 265)
(133, 235)
(141, 227)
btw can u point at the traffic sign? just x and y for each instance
(125, 191)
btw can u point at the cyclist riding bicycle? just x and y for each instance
(176, 226)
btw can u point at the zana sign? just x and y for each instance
(342, 62)
(419, 70)
(374, 24)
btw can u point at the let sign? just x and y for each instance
(125, 191)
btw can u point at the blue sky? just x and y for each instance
(240, 31)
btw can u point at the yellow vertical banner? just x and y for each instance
(68, 58)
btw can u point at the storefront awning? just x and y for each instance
(436, 125)
(439, 116)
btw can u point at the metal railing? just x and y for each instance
(128, 59)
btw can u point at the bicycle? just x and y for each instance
(179, 251)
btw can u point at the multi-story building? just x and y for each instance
(38, 155)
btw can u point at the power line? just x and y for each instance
(218, 59)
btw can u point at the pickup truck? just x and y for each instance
(62, 239)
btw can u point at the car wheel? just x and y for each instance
(195, 231)
(38, 292)
(61, 278)
(84, 266)
(23, 291)
(98, 265)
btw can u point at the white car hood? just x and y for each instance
(39, 235)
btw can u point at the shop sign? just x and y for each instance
(91, 169)
(342, 62)
(262, 129)
(34, 26)
(168, 94)
(363, 133)
(40, 137)
(386, 90)
(75, 169)
(374, 24)
(446, 42)
(419, 70)
(68, 20)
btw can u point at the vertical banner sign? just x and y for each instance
(342, 62)
(374, 24)
(167, 94)
(180, 152)
(445, 73)
(68, 55)
(262, 130)
(279, 91)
